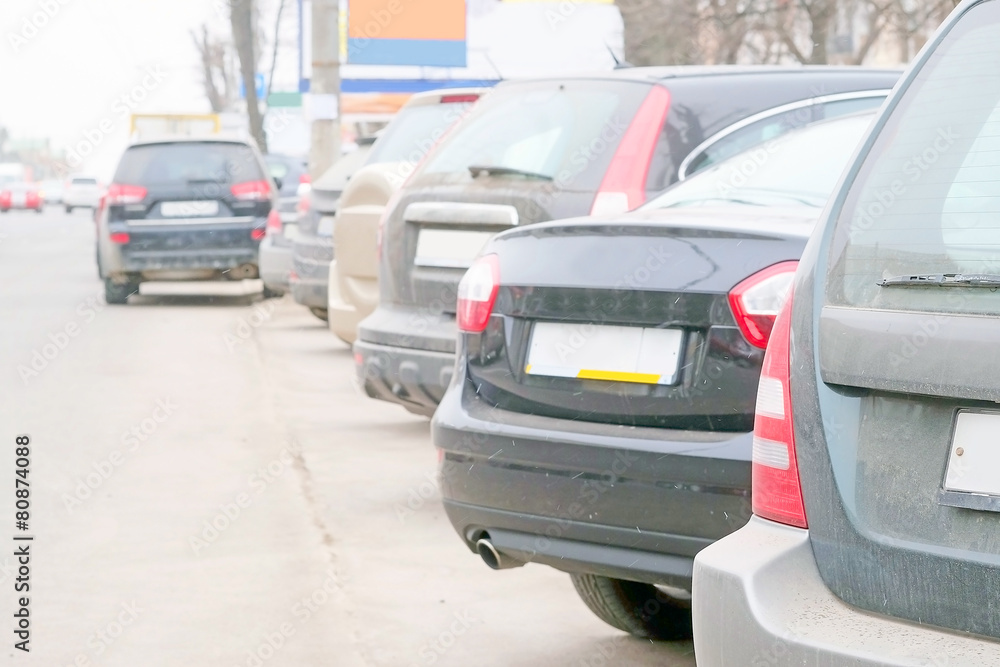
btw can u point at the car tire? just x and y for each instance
(115, 294)
(69, 209)
(639, 609)
(271, 294)
(321, 313)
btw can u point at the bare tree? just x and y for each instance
(241, 15)
(661, 32)
(218, 69)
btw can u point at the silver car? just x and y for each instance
(875, 536)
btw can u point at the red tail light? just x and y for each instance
(477, 293)
(305, 179)
(258, 234)
(777, 490)
(274, 224)
(757, 300)
(251, 190)
(120, 193)
(624, 184)
(459, 99)
(120, 238)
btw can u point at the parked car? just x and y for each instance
(291, 175)
(875, 486)
(545, 149)
(183, 210)
(407, 138)
(21, 196)
(601, 418)
(81, 192)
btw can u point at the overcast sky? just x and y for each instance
(65, 80)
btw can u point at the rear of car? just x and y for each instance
(183, 210)
(533, 151)
(21, 196)
(291, 176)
(81, 192)
(601, 419)
(353, 276)
(412, 132)
(875, 486)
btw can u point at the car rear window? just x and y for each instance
(566, 130)
(414, 131)
(927, 198)
(184, 163)
(84, 181)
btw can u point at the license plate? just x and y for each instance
(449, 248)
(325, 226)
(18, 200)
(189, 209)
(975, 455)
(599, 352)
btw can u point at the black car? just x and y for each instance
(183, 210)
(538, 150)
(601, 416)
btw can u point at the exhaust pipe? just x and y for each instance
(493, 558)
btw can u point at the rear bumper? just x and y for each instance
(275, 264)
(759, 598)
(344, 317)
(219, 259)
(415, 379)
(628, 503)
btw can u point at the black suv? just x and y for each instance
(183, 210)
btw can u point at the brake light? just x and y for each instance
(624, 184)
(305, 179)
(120, 193)
(274, 224)
(120, 238)
(477, 293)
(258, 234)
(777, 489)
(757, 300)
(251, 190)
(459, 99)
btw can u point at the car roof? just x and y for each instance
(659, 74)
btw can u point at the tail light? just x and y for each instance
(258, 234)
(305, 179)
(757, 300)
(477, 293)
(274, 225)
(777, 489)
(119, 194)
(624, 184)
(5, 198)
(462, 98)
(251, 190)
(121, 238)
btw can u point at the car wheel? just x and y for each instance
(69, 209)
(321, 313)
(639, 609)
(118, 294)
(272, 294)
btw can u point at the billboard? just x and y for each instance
(429, 33)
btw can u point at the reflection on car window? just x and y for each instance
(927, 199)
(181, 163)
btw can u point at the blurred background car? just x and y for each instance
(184, 210)
(291, 176)
(52, 191)
(875, 486)
(404, 141)
(353, 274)
(21, 196)
(81, 192)
(538, 150)
(634, 342)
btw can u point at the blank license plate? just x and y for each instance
(975, 455)
(449, 248)
(189, 209)
(18, 200)
(598, 352)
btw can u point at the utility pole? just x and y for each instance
(324, 86)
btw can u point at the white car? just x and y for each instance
(81, 192)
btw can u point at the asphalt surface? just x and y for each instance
(210, 487)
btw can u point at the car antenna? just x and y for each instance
(493, 65)
(619, 64)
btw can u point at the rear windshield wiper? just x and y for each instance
(478, 169)
(988, 280)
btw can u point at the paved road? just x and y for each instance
(209, 487)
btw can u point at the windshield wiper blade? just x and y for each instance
(479, 169)
(988, 280)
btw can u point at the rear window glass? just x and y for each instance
(84, 181)
(927, 199)
(414, 131)
(567, 131)
(186, 163)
